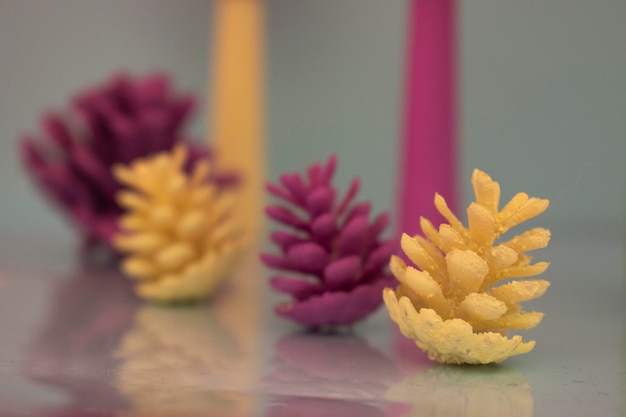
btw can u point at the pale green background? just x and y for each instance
(543, 90)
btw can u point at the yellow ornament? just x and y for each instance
(450, 305)
(177, 230)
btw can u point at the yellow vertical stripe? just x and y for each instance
(237, 100)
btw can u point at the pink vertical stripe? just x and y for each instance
(429, 146)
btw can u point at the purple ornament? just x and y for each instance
(116, 122)
(334, 254)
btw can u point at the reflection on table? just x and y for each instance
(109, 353)
(465, 391)
(327, 375)
(180, 360)
(194, 360)
(114, 355)
(90, 312)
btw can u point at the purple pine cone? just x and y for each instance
(116, 122)
(334, 250)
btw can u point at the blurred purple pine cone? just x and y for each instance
(337, 260)
(116, 122)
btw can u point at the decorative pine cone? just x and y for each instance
(451, 305)
(333, 249)
(177, 231)
(116, 122)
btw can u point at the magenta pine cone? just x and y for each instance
(116, 122)
(334, 253)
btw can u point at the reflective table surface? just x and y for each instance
(76, 342)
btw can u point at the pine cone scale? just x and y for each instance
(339, 274)
(307, 257)
(297, 287)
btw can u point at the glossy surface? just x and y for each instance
(75, 341)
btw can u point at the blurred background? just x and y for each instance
(543, 91)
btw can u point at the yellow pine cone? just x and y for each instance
(450, 305)
(177, 230)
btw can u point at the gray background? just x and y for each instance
(543, 90)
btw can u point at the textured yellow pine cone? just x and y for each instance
(450, 305)
(177, 232)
